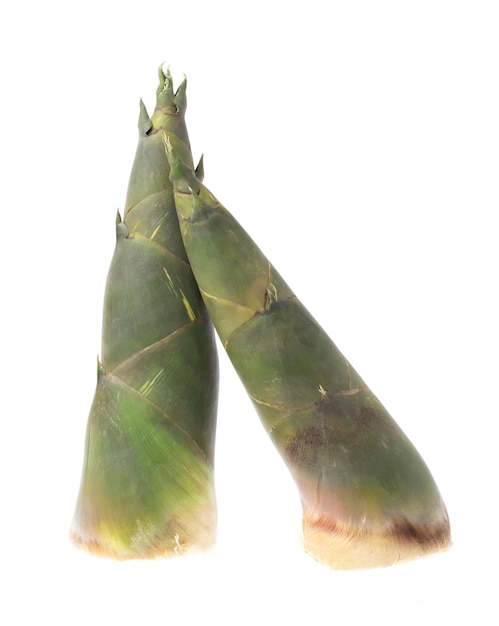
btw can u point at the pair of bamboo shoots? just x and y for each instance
(147, 487)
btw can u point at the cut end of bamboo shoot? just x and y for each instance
(354, 547)
(197, 537)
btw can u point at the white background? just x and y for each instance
(358, 143)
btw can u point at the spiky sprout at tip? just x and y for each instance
(166, 96)
(183, 177)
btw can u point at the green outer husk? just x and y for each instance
(368, 497)
(147, 485)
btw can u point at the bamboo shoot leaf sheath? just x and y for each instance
(147, 486)
(368, 498)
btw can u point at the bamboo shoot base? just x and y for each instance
(353, 548)
(200, 538)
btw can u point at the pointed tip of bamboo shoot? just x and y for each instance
(121, 228)
(180, 98)
(352, 548)
(145, 123)
(199, 171)
(166, 97)
(182, 176)
(165, 87)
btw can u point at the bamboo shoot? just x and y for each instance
(147, 486)
(368, 498)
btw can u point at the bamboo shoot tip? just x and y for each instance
(162, 75)
(145, 123)
(199, 171)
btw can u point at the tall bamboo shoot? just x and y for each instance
(368, 497)
(147, 486)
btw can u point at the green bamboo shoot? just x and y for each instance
(147, 486)
(368, 498)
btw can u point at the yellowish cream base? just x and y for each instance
(350, 549)
(116, 552)
(198, 537)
